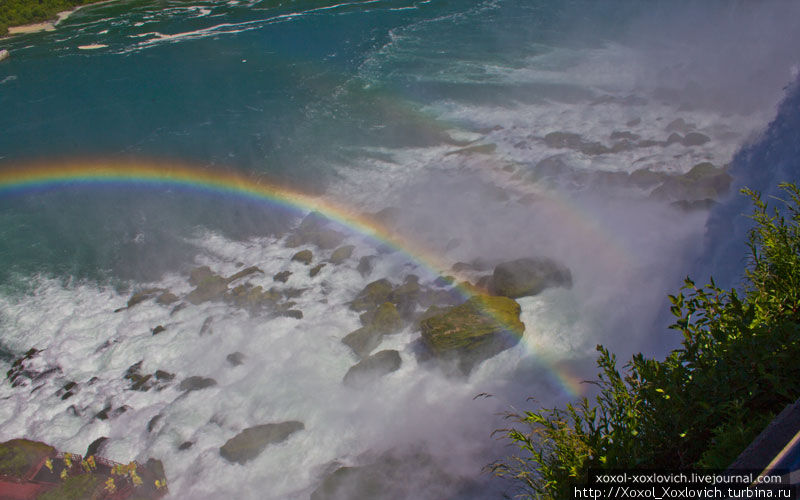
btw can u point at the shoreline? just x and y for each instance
(46, 25)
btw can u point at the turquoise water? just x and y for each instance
(493, 129)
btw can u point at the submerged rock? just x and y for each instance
(372, 367)
(249, 443)
(365, 265)
(235, 358)
(196, 383)
(528, 276)
(474, 331)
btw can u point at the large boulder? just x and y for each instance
(372, 367)
(341, 254)
(474, 331)
(372, 295)
(249, 443)
(528, 276)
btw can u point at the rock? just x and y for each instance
(316, 269)
(253, 298)
(703, 181)
(244, 272)
(153, 422)
(528, 276)
(372, 367)
(235, 358)
(695, 139)
(196, 383)
(694, 205)
(96, 446)
(67, 390)
(678, 125)
(480, 149)
(205, 329)
(210, 287)
(167, 298)
(568, 140)
(4, 53)
(138, 381)
(282, 276)
(474, 331)
(249, 443)
(372, 295)
(645, 177)
(18, 456)
(164, 376)
(304, 256)
(406, 296)
(292, 313)
(383, 321)
(313, 231)
(674, 138)
(158, 329)
(633, 122)
(624, 136)
(341, 254)
(365, 265)
(185, 445)
(198, 274)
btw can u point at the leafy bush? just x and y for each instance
(703, 404)
(17, 12)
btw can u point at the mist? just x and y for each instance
(579, 143)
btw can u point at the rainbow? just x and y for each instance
(204, 181)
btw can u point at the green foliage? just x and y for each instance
(706, 401)
(17, 12)
(19, 455)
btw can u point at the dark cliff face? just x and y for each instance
(773, 158)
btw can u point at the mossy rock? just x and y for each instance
(381, 321)
(372, 295)
(253, 298)
(474, 331)
(198, 274)
(341, 254)
(304, 256)
(249, 443)
(211, 287)
(372, 367)
(78, 487)
(528, 276)
(244, 272)
(19, 455)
